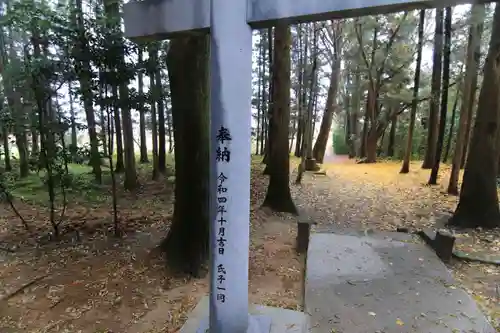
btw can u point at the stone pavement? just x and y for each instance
(385, 283)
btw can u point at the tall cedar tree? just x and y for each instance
(437, 64)
(278, 195)
(444, 97)
(187, 243)
(414, 103)
(468, 92)
(478, 205)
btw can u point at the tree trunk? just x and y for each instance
(300, 130)
(142, 127)
(120, 165)
(478, 205)
(187, 243)
(405, 168)
(130, 181)
(326, 123)
(364, 133)
(6, 149)
(102, 135)
(112, 11)
(303, 43)
(371, 146)
(477, 15)
(452, 127)
(444, 98)
(472, 100)
(154, 125)
(85, 77)
(35, 144)
(74, 137)
(259, 97)
(432, 129)
(355, 111)
(162, 147)
(263, 134)
(371, 138)
(142, 120)
(170, 134)
(278, 195)
(269, 127)
(392, 136)
(313, 81)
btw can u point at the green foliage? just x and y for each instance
(78, 184)
(340, 146)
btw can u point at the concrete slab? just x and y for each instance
(282, 320)
(365, 284)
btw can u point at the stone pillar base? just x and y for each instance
(262, 319)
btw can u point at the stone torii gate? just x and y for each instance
(230, 24)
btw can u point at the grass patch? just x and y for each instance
(79, 184)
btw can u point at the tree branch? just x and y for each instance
(389, 45)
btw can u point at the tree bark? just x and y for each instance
(477, 15)
(260, 78)
(405, 168)
(432, 129)
(478, 204)
(74, 137)
(130, 180)
(102, 123)
(120, 164)
(265, 102)
(278, 195)
(6, 149)
(452, 126)
(326, 123)
(269, 135)
(187, 243)
(472, 100)
(162, 145)
(392, 136)
(301, 91)
(85, 76)
(142, 121)
(444, 98)
(355, 111)
(112, 11)
(154, 124)
(310, 119)
(371, 138)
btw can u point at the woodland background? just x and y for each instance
(105, 154)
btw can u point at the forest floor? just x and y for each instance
(377, 197)
(93, 282)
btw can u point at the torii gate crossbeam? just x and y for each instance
(166, 18)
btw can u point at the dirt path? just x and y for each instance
(376, 196)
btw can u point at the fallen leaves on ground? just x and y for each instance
(96, 283)
(377, 197)
(101, 284)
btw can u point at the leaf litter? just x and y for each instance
(376, 197)
(100, 284)
(96, 283)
